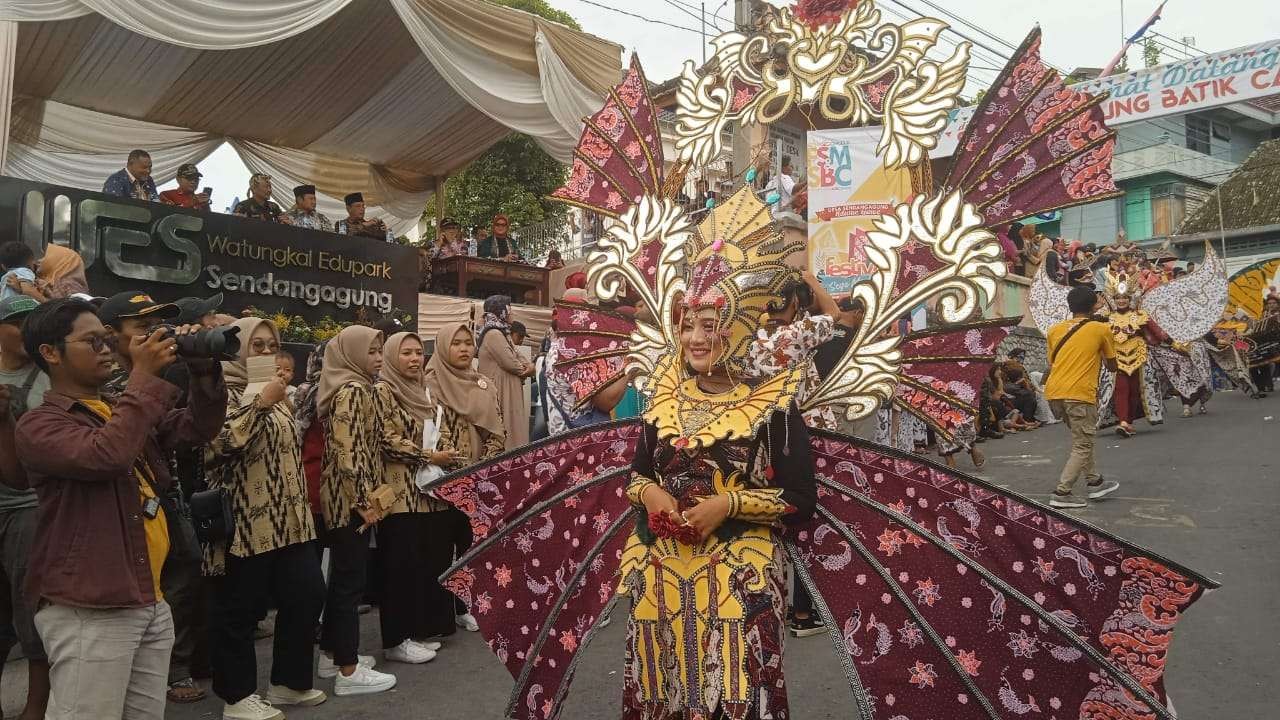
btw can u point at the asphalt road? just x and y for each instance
(1205, 491)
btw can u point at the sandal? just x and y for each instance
(185, 691)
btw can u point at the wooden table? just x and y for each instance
(465, 276)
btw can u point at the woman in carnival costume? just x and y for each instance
(943, 595)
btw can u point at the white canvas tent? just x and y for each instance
(386, 97)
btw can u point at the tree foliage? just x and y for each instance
(1150, 52)
(542, 9)
(513, 177)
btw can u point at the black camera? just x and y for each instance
(220, 343)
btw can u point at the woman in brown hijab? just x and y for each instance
(471, 427)
(500, 362)
(351, 472)
(62, 269)
(257, 460)
(404, 409)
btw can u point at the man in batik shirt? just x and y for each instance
(135, 180)
(357, 224)
(304, 214)
(259, 206)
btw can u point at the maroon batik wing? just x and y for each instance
(550, 522)
(619, 155)
(943, 369)
(941, 590)
(1033, 145)
(592, 349)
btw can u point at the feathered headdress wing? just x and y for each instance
(1034, 144)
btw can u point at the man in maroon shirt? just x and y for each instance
(100, 474)
(185, 195)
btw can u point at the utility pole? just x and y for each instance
(1124, 61)
(704, 33)
(745, 139)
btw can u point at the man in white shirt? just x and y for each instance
(783, 184)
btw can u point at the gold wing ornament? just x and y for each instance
(1248, 287)
(852, 67)
(931, 250)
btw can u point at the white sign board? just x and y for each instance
(1200, 83)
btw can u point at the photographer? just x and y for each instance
(99, 469)
(126, 316)
(257, 461)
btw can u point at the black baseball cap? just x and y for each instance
(193, 308)
(449, 223)
(189, 170)
(134, 304)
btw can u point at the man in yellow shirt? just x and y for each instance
(1077, 350)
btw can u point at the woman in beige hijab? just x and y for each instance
(405, 407)
(351, 472)
(470, 426)
(257, 460)
(500, 363)
(62, 269)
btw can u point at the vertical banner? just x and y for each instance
(849, 188)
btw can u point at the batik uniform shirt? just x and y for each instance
(352, 457)
(449, 249)
(455, 435)
(257, 459)
(310, 220)
(372, 228)
(561, 411)
(787, 347)
(400, 442)
(266, 211)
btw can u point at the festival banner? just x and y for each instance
(849, 188)
(1200, 83)
(169, 253)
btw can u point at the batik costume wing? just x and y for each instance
(550, 521)
(1034, 145)
(1189, 307)
(942, 590)
(943, 370)
(1248, 287)
(1047, 301)
(593, 347)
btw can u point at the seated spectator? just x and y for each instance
(481, 234)
(135, 180)
(19, 265)
(518, 333)
(185, 195)
(303, 214)
(22, 387)
(554, 261)
(449, 242)
(62, 271)
(500, 245)
(99, 469)
(259, 206)
(357, 224)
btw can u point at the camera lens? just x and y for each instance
(220, 343)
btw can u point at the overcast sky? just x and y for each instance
(1076, 33)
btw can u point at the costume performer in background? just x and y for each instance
(1133, 390)
(559, 533)
(1264, 337)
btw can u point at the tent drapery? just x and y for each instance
(380, 96)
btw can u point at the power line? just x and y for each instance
(640, 17)
(682, 9)
(978, 28)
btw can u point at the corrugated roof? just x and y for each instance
(1248, 196)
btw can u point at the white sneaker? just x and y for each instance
(326, 669)
(281, 695)
(1103, 489)
(432, 645)
(409, 652)
(251, 708)
(467, 622)
(364, 681)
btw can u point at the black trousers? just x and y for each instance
(402, 541)
(458, 538)
(185, 590)
(289, 576)
(448, 537)
(1263, 377)
(348, 566)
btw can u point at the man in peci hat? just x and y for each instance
(304, 214)
(259, 205)
(357, 224)
(185, 195)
